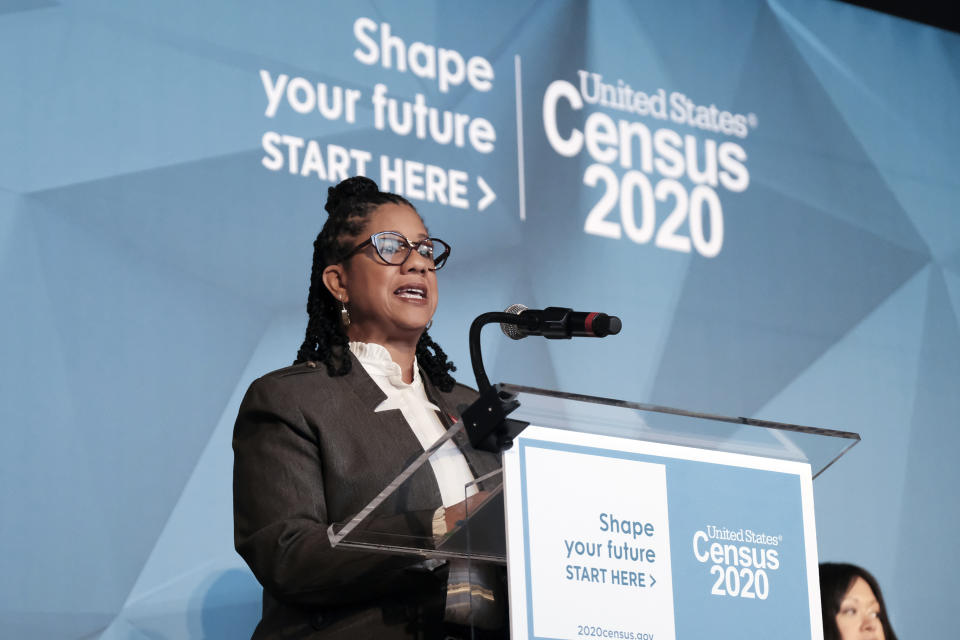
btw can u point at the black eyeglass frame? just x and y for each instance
(410, 246)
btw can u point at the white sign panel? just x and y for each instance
(614, 538)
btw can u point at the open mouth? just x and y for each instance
(411, 293)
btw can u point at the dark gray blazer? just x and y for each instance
(309, 450)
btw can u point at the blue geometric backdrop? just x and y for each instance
(152, 264)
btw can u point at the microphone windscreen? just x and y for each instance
(512, 331)
(615, 325)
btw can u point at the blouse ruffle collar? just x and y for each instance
(376, 359)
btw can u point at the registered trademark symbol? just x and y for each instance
(752, 120)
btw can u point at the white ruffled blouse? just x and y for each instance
(448, 463)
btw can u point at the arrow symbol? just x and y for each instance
(488, 195)
(653, 580)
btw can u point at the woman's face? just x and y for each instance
(389, 303)
(859, 614)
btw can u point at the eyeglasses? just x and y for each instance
(394, 248)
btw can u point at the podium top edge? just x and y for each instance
(642, 406)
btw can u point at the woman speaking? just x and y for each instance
(315, 442)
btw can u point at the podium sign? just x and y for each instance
(612, 537)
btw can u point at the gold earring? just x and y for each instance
(344, 314)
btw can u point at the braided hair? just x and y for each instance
(349, 204)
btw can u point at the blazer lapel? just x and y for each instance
(480, 462)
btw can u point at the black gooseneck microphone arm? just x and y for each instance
(486, 420)
(476, 358)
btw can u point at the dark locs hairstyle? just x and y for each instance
(349, 204)
(836, 578)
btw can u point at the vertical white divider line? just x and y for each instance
(520, 177)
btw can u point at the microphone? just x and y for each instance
(559, 323)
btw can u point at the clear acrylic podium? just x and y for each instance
(480, 535)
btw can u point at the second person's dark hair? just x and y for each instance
(836, 578)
